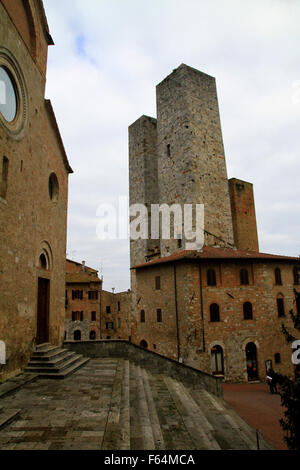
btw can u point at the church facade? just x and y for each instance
(34, 172)
(218, 308)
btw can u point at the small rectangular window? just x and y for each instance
(3, 186)
(280, 307)
(119, 306)
(157, 283)
(109, 325)
(93, 316)
(119, 322)
(159, 315)
(143, 316)
(77, 294)
(93, 295)
(108, 309)
(81, 316)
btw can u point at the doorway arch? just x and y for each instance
(251, 361)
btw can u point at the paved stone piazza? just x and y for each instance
(114, 404)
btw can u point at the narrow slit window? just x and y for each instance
(3, 187)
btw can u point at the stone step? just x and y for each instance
(124, 440)
(235, 433)
(81, 361)
(144, 414)
(7, 416)
(195, 422)
(54, 361)
(112, 433)
(42, 346)
(136, 441)
(46, 351)
(174, 431)
(155, 423)
(49, 356)
(67, 362)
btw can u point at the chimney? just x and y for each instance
(83, 265)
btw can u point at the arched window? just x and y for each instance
(280, 305)
(248, 312)
(77, 335)
(214, 313)
(92, 335)
(43, 261)
(144, 344)
(244, 277)
(53, 187)
(211, 277)
(217, 360)
(277, 273)
(143, 316)
(277, 358)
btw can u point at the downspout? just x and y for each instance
(101, 310)
(176, 312)
(201, 307)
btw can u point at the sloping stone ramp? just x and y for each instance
(114, 404)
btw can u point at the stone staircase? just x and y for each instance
(150, 411)
(116, 404)
(53, 362)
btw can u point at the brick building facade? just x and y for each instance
(91, 312)
(83, 301)
(219, 308)
(33, 190)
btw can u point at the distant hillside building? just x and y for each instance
(218, 309)
(34, 173)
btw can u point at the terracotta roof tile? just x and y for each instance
(209, 252)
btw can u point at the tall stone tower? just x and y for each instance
(191, 160)
(179, 159)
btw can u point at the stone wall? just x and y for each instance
(31, 223)
(148, 359)
(188, 306)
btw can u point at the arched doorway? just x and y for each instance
(77, 335)
(92, 335)
(251, 361)
(217, 360)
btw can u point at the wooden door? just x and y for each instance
(42, 335)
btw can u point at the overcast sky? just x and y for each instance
(108, 57)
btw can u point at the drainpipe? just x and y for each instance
(101, 286)
(176, 311)
(201, 307)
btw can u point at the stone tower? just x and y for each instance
(179, 158)
(191, 160)
(243, 215)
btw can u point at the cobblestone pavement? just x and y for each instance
(65, 414)
(259, 408)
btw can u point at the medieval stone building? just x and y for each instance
(33, 190)
(91, 312)
(219, 308)
(83, 300)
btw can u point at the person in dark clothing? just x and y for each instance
(272, 381)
